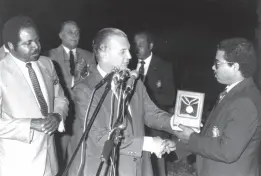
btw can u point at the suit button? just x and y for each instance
(134, 159)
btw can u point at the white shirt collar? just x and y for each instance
(228, 88)
(5, 49)
(103, 73)
(20, 62)
(147, 60)
(67, 50)
(146, 64)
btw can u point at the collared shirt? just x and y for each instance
(67, 50)
(103, 73)
(5, 49)
(24, 70)
(146, 65)
(228, 88)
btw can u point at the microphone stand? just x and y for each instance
(87, 130)
(115, 137)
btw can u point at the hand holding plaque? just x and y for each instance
(188, 110)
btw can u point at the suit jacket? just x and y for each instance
(62, 65)
(24, 151)
(131, 157)
(159, 82)
(229, 142)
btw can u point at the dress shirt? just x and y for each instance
(228, 88)
(67, 50)
(5, 49)
(146, 65)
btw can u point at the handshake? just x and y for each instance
(158, 146)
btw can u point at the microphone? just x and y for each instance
(130, 83)
(107, 78)
(123, 75)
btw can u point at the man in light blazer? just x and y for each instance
(33, 105)
(72, 65)
(230, 140)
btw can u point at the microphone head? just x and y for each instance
(134, 74)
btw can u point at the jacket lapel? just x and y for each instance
(229, 96)
(11, 77)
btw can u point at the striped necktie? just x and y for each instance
(37, 90)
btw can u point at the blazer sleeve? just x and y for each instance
(153, 117)
(60, 101)
(241, 126)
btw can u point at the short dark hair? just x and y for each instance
(12, 28)
(68, 22)
(102, 37)
(148, 34)
(241, 51)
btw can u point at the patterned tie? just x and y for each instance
(142, 70)
(72, 63)
(37, 90)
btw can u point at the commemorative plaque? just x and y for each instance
(188, 110)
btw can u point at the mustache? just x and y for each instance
(36, 51)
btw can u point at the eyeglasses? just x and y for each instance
(217, 63)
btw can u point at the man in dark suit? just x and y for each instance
(72, 65)
(111, 49)
(229, 142)
(157, 76)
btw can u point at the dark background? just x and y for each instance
(186, 31)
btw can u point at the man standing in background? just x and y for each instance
(157, 76)
(72, 64)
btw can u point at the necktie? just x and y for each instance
(222, 95)
(72, 63)
(141, 70)
(37, 90)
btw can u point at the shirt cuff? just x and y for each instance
(148, 144)
(61, 127)
(31, 135)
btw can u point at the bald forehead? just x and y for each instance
(110, 40)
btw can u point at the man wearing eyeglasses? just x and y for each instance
(229, 142)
